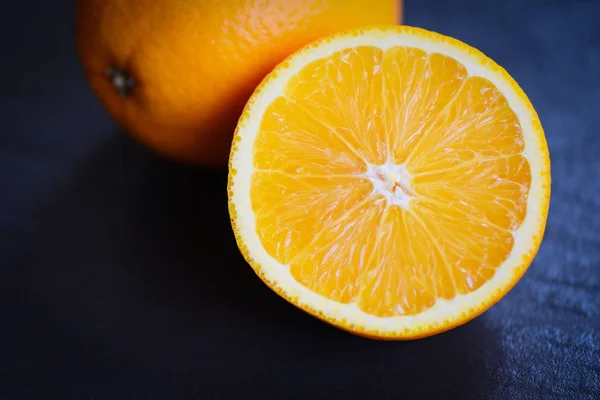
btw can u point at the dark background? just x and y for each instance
(120, 277)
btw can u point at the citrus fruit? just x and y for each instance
(391, 181)
(177, 73)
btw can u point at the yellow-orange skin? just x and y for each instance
(195, 63)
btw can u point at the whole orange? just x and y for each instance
(177, 73)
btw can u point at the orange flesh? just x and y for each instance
(316, 209)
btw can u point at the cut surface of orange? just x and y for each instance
(391, 181)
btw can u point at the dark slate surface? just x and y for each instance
(120, 278)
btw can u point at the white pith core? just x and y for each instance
(392, 181)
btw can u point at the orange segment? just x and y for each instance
(408, 273)
(477, 122)
(393, 182)
(346, 98)
(291, 140)
(333, 265)
(418, 86)
(291, 210)
(472, 249)
(490, 191)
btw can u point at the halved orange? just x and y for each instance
(391, 181)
